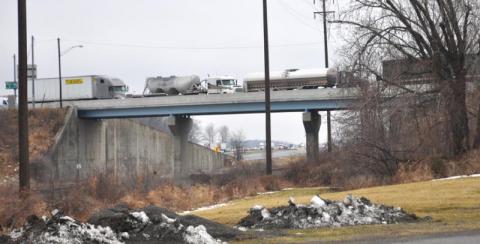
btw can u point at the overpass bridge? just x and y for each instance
(238, 103)
(180, 108)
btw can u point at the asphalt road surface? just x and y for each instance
(455, 238)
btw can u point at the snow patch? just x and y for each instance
(458, 177)
(199, 235)
(141, 216)
(204, 208)
(266, 193)
(325, 213)
(265, 213)
(257, 207)
(317, 202)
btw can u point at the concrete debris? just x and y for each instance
(325, 213)
(122, 225)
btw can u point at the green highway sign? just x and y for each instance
(10, 85)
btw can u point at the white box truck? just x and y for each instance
(77, 88)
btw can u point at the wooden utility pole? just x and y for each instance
(24, 171)
(268, 129)
(324, 13)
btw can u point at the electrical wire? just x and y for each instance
(124, 45)
(297, 15)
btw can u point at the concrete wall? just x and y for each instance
(124, 149)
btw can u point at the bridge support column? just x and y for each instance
(180, 128)
(311, 122)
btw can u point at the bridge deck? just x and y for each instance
(282, 101)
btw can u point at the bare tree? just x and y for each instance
(442, 33)
(196, 135)
(237, 141)
(210, 134)
(224, 134)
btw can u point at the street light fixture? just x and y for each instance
(60, 54)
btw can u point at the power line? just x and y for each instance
(125, 45)
(297, 15)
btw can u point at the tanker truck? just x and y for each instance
(292, 79)
(190, 85)
(173, 85)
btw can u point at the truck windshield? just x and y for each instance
(118, 89)
(228, 82)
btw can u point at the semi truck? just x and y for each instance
(221, 85)
(77, 88)
(172, 85)
(189, 85)
(290, 79)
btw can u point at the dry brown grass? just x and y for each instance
(180, 198)
(15, 210)
(43, 125)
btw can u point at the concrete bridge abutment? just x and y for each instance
(180, 127)
(312, 121)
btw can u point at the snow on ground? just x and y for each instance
(66, 230)
(266, 193)
(324, 213)
(135, 226)
(199, 235)
(458, 177)
(141, 216)
(204, 208)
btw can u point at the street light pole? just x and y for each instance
(268, 129)
(24, 169)
(32, 72)
(60, 72)
(15, 76)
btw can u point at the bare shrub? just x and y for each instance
(15, 210)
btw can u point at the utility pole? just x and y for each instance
(24, 171)
(268, 129)
(32, 72)
(60, 71)
(324, 13)
(15, 76)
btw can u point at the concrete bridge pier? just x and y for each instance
(311, 122)
(180, 127)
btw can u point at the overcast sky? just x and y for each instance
(135, 39)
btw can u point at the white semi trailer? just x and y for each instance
(77, 88)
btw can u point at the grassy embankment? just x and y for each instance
(454, 206)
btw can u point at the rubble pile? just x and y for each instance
(122, 225)
(325, 213)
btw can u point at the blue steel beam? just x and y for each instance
(214, 109)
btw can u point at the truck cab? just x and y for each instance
(109, 87)
(221, 85)
(117, 88)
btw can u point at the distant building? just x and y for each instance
(421, 71)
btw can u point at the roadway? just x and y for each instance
(238, 103)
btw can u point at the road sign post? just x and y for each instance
(11, 85)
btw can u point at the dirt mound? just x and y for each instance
(122, 225)
(325, 213)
